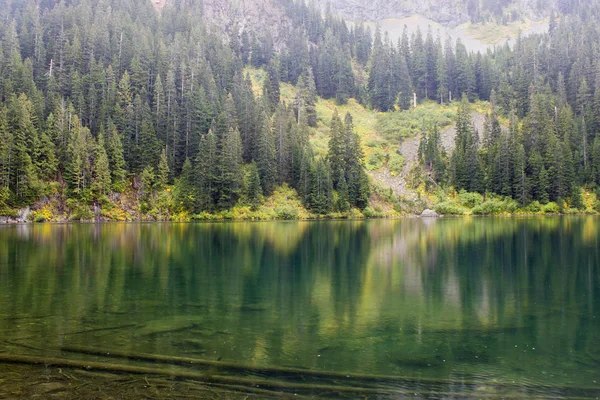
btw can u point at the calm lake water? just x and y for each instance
(507, 306)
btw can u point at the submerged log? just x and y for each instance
(195, 376)
(364, 382)
(304, 373)
(271, 385)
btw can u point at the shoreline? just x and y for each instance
(15, 221)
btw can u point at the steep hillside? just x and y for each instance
(450, 13)
(234, 17)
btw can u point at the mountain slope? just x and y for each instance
(450, 13)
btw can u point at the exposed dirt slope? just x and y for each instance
(409, 149)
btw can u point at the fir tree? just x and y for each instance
(100, 173)
(206, 169)
(162, 171)
(254, 190)
(319, 196)
(230, 169)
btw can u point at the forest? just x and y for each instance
(108, 100)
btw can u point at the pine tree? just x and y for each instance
(266, 159)
(230, 169)
(116, 162)
(306, 98)
(206, 169)
(162, 171)
(336, 154)
(467, 169)
(431, 154)
(24, 179)
(319, 196)
(342, 203)
(100, 173)
(254, 190)
(271, 91)
(185, 187)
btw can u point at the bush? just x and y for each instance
(79, 211)
(551, 208)
(396, 164)
(596, 205)
(355, 213)
(496, 206)
(534, 207)
(39, 218)
(370, 212)
(449, 208)
(470, 200)
(376, 160)
(489, 207)
(286, 212)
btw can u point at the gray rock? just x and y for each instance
(429, 213)
(23, 214)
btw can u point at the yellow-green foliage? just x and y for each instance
(43, 214)
(450, 207)
(257, 76)
(394, 126)
(493, 33)
(364, 121)
(114, 212)
(79, 211)
(495, 206)
(396, 163)
(284, 203)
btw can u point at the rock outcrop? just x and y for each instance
(429, 214)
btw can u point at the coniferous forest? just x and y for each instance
(109, 99)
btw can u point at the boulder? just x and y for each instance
(429, 213)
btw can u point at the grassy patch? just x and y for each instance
(493, 33)
(394, 126)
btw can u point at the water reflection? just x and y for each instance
(502, 299)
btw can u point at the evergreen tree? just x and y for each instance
(319, 196)
(116, 162)
(206, 170)
(185, 186)
(266, 159)
(230, 169)
(101, 183)
(432, 154)
(271, 91)
(467, 170)
(162, 171)
(254, 190)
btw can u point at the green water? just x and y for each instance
(461, 305)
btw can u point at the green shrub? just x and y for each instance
(39, 218)
(596, 205)
(551, 208)
(376, 160)
(203, 216)
(404, 124)
(79, 211)
(286, 212)
(449, 208)
(228, 214)
(496, 206)
(534, 207)
(470, 200)
(370, 212)
(396, 164)
(489, 207)
(355, 213)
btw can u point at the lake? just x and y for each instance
(434, 307)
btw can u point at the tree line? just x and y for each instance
(100, 96)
